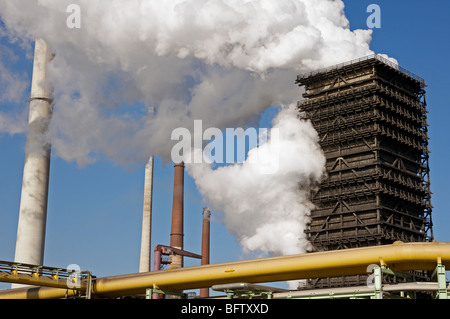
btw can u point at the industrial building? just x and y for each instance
(371, 118)
(372, 216)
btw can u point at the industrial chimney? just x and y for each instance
(33, 201)
(144, 264)
(204, 292)
(176, 235)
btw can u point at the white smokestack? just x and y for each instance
(33, 201)
(146, 237)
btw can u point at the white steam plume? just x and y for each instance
(222, 61)
(13, 86)
(138, 69)
(267, 210)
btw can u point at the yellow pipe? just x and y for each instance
(35, 279)
(37, 293)
(399, 257)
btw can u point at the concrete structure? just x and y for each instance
(146, 236)
(176, 234)
(33, 201)
(371, 118)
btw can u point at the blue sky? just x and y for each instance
(94, 213)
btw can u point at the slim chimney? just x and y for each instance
(33, 201)
(176, 235)
(144, 264)
(204, 292)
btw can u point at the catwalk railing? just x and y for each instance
(365, 58)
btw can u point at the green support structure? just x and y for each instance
(150, 291)
(378, 283)
(439, 273)
(403, 294)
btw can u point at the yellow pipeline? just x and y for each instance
(399, 257)
(37, 293)
(35, 279)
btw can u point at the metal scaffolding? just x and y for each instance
(371, 118)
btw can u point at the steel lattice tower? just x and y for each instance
(371, 118)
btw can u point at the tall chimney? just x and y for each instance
(144, 264)
(204, 292)
(33, 201)
(176, 235)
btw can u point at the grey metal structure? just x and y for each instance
(371, 118)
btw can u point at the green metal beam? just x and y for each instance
(378, 283)
(439, 274)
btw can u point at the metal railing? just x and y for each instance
(37, 275)
(366, 58)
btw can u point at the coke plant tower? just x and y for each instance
(371, 118)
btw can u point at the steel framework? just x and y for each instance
(371, 118)
(438, 288)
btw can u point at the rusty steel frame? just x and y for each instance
(371, 118)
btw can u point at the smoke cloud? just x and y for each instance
(12, 91)
(138, 69)
(267, 210)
